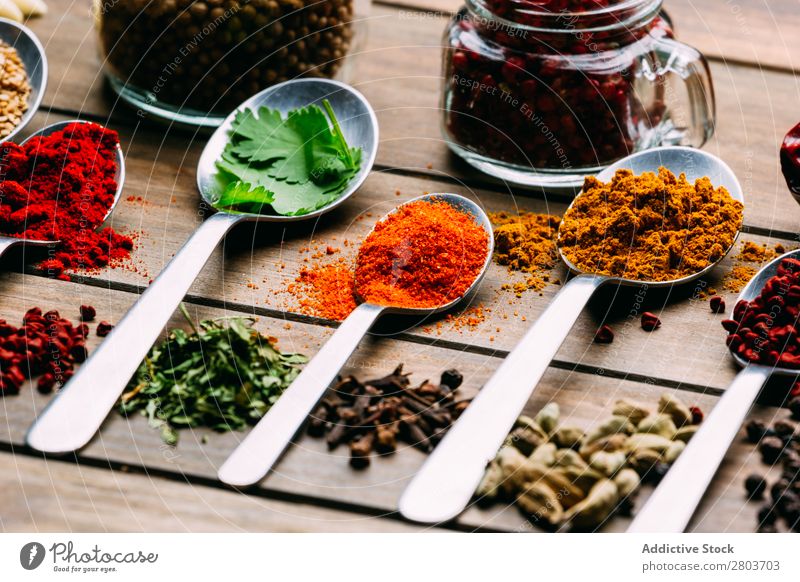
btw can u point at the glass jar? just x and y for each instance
(195, 61)
(545, 97)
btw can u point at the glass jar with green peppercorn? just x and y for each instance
(194, 61)
(544, 92)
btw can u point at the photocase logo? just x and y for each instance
(31, 555)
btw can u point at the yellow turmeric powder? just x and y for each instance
(649, 227)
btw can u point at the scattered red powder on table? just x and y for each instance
(60, 187)
(325, 290)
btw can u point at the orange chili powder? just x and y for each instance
(425, 254)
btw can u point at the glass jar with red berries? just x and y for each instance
(545, 92)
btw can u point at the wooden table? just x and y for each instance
(127, 480)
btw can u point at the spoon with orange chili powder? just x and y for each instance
(424, 257)
(444, 486)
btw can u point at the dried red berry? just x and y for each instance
(104, 328)
(717, 304)
(790, 159)
(697, 415)
(650, 322)
(604, 335)
(88, 312)
(46, 383)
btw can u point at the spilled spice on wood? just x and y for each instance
(526, 242)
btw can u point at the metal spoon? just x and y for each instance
(676, 498)
(260, 450)
(445, 484)
(34, 59)
(6, 242)
(75, 415)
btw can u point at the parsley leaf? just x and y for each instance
(293, 166)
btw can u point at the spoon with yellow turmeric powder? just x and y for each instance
(635, 223)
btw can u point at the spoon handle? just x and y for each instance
(76, 413)
(676, 498)
(443, 487)
(262, 448)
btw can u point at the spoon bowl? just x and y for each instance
(356, 118)
(447, 481)
(692, 162)
(34, 59)
(466, 206)
(263, 446)
(7, 242)
(689, 477)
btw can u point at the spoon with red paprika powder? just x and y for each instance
(763, 340)
(424, 257)
(75, 415)
(444, 486)
(62, 179)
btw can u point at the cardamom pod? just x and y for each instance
(548, 418)
(567, 492)
(643, 440)
(526, 439)
(643, 460)
(544, 454)
(568, 458)
(614, 425)
(610, 444)
(583, 478)
(489, 487)
(673, 452)
(685, 433)
(627, 482)
(608, 463)
(631, 410)
(596, 508)
(538, 501)
(680, 413)
(660, 424)
(568, 437)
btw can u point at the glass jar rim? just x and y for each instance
(647, 10)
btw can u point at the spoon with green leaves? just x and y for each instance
(292, 152)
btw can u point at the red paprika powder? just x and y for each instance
(59, 188)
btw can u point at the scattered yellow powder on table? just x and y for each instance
(649, 227)
(526, 242)
(751, 252)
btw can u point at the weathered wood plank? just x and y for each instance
(308, 469)
(54, 496)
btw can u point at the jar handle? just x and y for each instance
(689, 121)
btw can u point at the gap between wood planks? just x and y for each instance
(263, 492)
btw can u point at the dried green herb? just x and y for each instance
(224, 375)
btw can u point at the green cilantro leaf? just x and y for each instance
(293, 166)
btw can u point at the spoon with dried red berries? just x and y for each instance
(444, 486)
(761, 324)
(8, 241)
